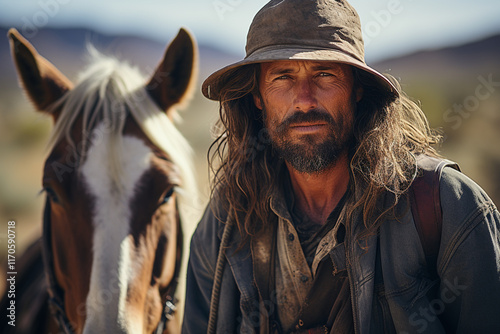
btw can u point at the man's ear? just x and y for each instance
(41, 80)
(257, 99)
(174, 80)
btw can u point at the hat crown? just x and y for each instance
(314, 24)
(302, 30)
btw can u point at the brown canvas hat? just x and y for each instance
(317, 30)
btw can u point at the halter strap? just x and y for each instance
(56, 301)
(169, 307)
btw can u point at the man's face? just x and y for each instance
(308, 110)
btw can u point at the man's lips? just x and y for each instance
(307, 126)
(311, 121)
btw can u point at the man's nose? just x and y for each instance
(304, 98)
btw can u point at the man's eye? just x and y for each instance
(282, 77)
(325, 74)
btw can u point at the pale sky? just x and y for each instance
(391, 27)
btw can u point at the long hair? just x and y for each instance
(389, 131)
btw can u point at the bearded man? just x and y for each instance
(319, 220)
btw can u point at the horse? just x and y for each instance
(118, 179)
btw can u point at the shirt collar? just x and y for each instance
(282, 198)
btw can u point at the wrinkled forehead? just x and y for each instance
(290, 66)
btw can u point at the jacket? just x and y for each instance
(391, 288)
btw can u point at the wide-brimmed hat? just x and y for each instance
(317, 30)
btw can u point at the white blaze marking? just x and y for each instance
(111, 267)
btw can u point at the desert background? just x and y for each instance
(456, 80)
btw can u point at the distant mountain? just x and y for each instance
(448, 62)
(66, 48)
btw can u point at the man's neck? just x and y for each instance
(316, 195)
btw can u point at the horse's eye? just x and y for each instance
(167, 196)
(51, 194)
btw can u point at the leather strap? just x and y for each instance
(169, 308)
(56, 301)
(426, 206)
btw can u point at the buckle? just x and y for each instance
(169, 309)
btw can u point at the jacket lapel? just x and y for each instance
(240, 264)
(360, 256)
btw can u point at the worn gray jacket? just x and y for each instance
(465, 298)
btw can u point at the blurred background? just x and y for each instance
(446, 54)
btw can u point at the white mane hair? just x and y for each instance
(105, 92)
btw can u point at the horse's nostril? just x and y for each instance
(159, 259)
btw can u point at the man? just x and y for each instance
(310, 227)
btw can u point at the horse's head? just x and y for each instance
(111, 177)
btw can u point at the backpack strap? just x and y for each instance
(426, 206)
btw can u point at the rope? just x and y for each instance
(219, 268)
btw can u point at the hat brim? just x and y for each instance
(211, 86)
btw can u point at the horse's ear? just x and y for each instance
(41, 80)
(174, 79)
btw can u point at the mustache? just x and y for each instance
(313, 115)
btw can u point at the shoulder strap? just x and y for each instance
(426, 205)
